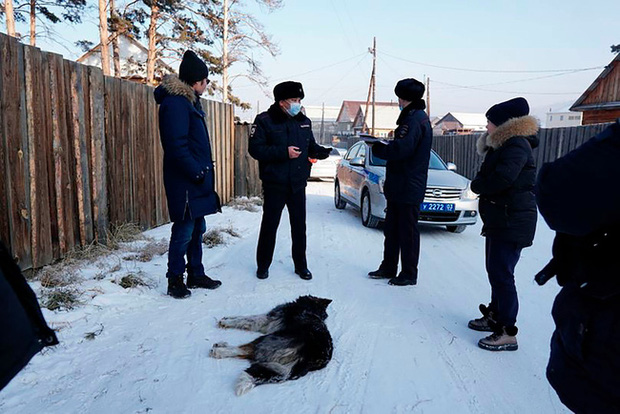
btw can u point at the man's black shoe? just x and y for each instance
(381, 274)
(402, 281)
(176, 287)
(202, 282)
(304, 274)
(262, 274)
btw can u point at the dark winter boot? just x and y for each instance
(503, 339)
(262, 274)
(305, 274)
(381, 274)
(202, 282)
(176, 287)
(484, 324)
(403, 280)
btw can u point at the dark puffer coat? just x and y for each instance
(272, 133)
(22, 326)
(584, 365)
(407, 156)
(189, 177)
(506, 180)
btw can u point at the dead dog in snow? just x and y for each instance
(296, 342)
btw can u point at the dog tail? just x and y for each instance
(261, 373)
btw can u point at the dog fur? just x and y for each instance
(296, 341)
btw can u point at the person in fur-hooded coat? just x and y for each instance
(507, 208)
(189, 177)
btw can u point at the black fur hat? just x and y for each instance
(503, 111)
(409, 89)
(287, 90)
(192, 68)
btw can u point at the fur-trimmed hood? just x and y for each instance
(171, 85)
(525, 126)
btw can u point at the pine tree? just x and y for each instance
(240, 35)
(42, 15)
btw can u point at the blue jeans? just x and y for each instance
(501, 260)
(186, 239)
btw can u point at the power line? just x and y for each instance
(490, 70)
(512, 92)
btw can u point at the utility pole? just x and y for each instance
(10, 17)
(322, 131)
(371, 88)
(428, 96)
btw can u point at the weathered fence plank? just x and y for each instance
(17, 171)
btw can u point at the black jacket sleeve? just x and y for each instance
(402, 146)
(578, 193)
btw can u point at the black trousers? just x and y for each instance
(402, 237)
(273, 204)
(501, 259)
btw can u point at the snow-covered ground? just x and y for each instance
(396, 349)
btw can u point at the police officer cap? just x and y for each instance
(409, 89)
(503, 111)
(288, 90)
(192, 68)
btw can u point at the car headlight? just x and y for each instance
(467, 194)
(381, 183)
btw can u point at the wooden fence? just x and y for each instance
(247, 183)
(554, 143)
(80, 151)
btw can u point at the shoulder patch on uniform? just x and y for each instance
(403, 130)
(252, 130)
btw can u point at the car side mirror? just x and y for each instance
(357, 161)
(451, 166)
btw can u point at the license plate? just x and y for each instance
(440, 207)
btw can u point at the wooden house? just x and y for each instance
(600, 103)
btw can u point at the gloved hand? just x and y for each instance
(323, 152)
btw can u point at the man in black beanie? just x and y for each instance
(407, 155)
(507, 208)
(282, 141)
(189, 177)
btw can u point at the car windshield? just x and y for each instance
(435, 162)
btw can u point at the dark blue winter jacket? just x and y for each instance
(189, 177)
(578, 197)
(407, 156)
(272, 133)
(505, 181)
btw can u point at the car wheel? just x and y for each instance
(368, 220)
(456, 229)
(338, 201)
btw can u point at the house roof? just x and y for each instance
(133, 56)
(315, 113)
(472, 121)
(612, 98)
(349, 109)
(386, 116)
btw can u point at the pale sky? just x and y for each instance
(467, 48)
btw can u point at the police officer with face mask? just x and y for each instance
(282, 141)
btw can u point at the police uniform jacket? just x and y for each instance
(407, 156)
(272, 133)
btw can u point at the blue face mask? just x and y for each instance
(294, 109)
